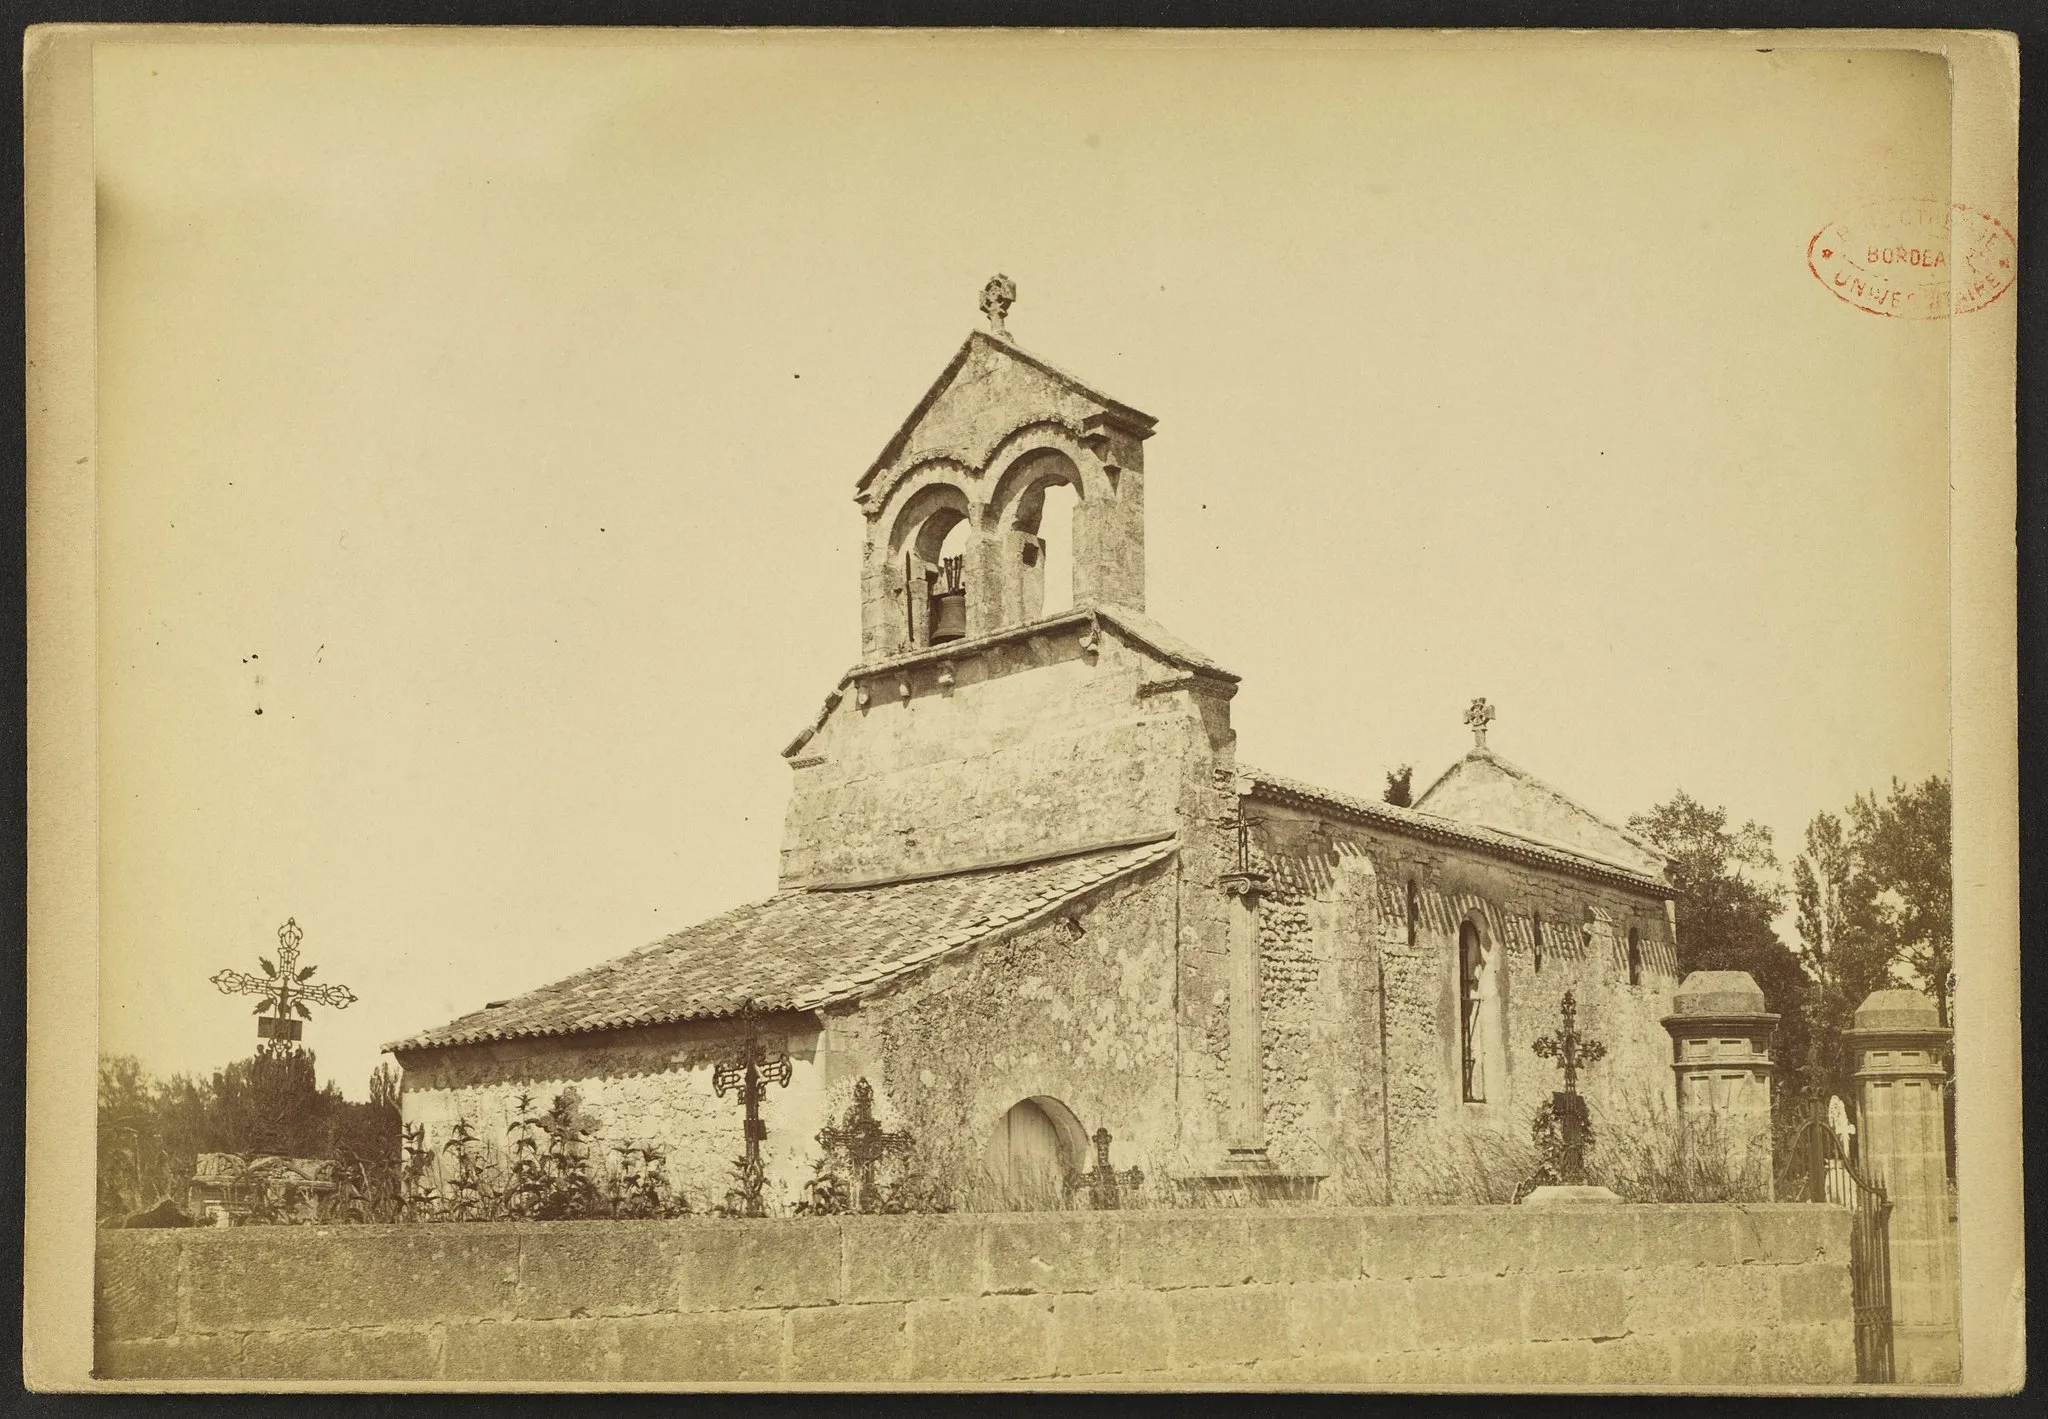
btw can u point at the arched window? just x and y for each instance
(1635, 956)
(1536, 941)
(1472, 991)
(1414, 910)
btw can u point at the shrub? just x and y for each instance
(1654, 1155)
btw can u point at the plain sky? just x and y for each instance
(487, 417)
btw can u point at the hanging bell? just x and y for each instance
(949, 617)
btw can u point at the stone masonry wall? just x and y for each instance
(1084, 1017)
(1700, 1297)
(646, 1086)
(1035, 747)
(1078, 1010)
(1333, 920)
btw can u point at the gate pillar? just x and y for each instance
(1721, 1052)
(1897, 1044)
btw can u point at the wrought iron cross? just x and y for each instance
(996, 299)
(1571, 1050)
(283, 986)
(1479, 715)
(750, 1073)
(1242, 825)
(863, 1140)
(1104, 1182)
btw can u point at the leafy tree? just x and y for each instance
(1903, 842)
(151, 1132)
(1401, 786)
(1728, 897)
(384, 1087)
(1839, 945)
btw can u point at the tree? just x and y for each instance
(384, 1087)
(1728, 897)
(1401, 786)
(151, 1132)
(1839, 945)
(1904, 845)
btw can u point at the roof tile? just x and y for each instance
(797, 950)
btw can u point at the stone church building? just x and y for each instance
(1030, 890)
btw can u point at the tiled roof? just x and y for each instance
(798, 950)
(1432, 825)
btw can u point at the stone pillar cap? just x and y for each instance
(1718, 994)
(1897, 1010)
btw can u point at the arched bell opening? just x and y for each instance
(1041, 520)
(1045, 517)
(928, 570)
(945, 581)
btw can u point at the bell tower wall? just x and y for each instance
(1060, 738)
(999, 430)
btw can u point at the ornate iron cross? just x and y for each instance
(1103, 1182)
(1571, 1050)
(283, 986)
(1479, 715)
(863, 1140)
(750, 1072)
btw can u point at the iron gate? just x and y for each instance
(1827, 1173)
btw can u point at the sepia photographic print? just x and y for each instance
(1001, 709)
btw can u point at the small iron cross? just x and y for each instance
(1242, 825)
(283, 988)
(1571, 1050)
(863, 1140)
(750, 1072)
(1479, 715)
(1104, 1182)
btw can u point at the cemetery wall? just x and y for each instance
(1699, 1296)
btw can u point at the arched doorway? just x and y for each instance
(1034, 1146)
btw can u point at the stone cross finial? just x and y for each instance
(1479, 716)
(996, 298)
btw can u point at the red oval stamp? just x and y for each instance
(1914, 258)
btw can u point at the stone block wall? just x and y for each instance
(1333, 922)
(1030, 746)
(650, 1086)
(1079, 1010)
(1502, 1297)
(1084, 1017)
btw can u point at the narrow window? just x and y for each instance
(1536, 937)
(1471, 983)
(1414, 910)
(1635, 957)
